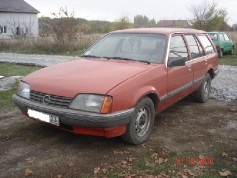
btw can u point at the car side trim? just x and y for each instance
(185, 87)
(76, 117)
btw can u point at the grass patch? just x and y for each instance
(8, 70)
(6, 98)
(209, 175)
(229, 59)
(149, 163)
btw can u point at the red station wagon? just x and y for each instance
(120, 83)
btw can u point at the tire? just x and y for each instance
(203, 93)
(221, 53)
(232, 51)
(140, 127)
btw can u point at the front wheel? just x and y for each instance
(140, 127)
(203, 93)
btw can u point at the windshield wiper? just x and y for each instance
(129, 59)
(91, 56)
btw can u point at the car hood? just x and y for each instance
(83, 76)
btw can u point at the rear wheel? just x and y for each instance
(221, 53)
(140, 127)
(203, 93)
(232, 51)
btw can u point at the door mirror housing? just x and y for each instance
(176, 61)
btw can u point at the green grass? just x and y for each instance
(12, 70)
(6, 98)
(229, 59)
(145, 165)
(209, 175)
(8, 70)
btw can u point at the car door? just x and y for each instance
(222, 42)
(198, 59)
(179, 77)
(228, 43)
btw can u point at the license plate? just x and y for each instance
(49, 118)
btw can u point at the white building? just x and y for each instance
(17, 19)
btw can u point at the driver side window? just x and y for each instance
(178, 49)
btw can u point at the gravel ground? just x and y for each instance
(224, 86)
(33, 60)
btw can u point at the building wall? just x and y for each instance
(18, 24)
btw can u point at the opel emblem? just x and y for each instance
(46, 99)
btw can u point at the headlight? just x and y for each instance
(23, 90)
(92, 103)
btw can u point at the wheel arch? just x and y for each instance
(211, 73)
(152, 95)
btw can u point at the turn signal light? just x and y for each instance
(106, 105)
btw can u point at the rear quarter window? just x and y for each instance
(209, 49)
(226, 37)
(194, 46)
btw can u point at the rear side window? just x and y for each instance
(194, 46)
(178, 48)
(213, 36)
(206, 44)
(222, 38)
(226, 37)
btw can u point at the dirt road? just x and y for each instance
(183, 136)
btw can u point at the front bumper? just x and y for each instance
(75, 117)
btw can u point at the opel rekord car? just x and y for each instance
(222, 42)
(121, 82)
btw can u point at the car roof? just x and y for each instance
(166, 31)
(215, 32)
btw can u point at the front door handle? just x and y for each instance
(190, 68)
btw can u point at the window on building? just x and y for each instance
(3, 29)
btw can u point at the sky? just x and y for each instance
(112, 10)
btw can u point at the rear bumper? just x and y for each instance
(77, 118)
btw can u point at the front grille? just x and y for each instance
(50, 100)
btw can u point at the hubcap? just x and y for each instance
(206, 89)
(142, 121)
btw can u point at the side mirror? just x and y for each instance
(176, 61)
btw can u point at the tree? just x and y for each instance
(234, 27)
(45, 24)
(207, 16)
(64, 27)
(140, 21)
(122, 23)
(143, 21)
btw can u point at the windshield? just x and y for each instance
(130, 46)
(213, 36)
